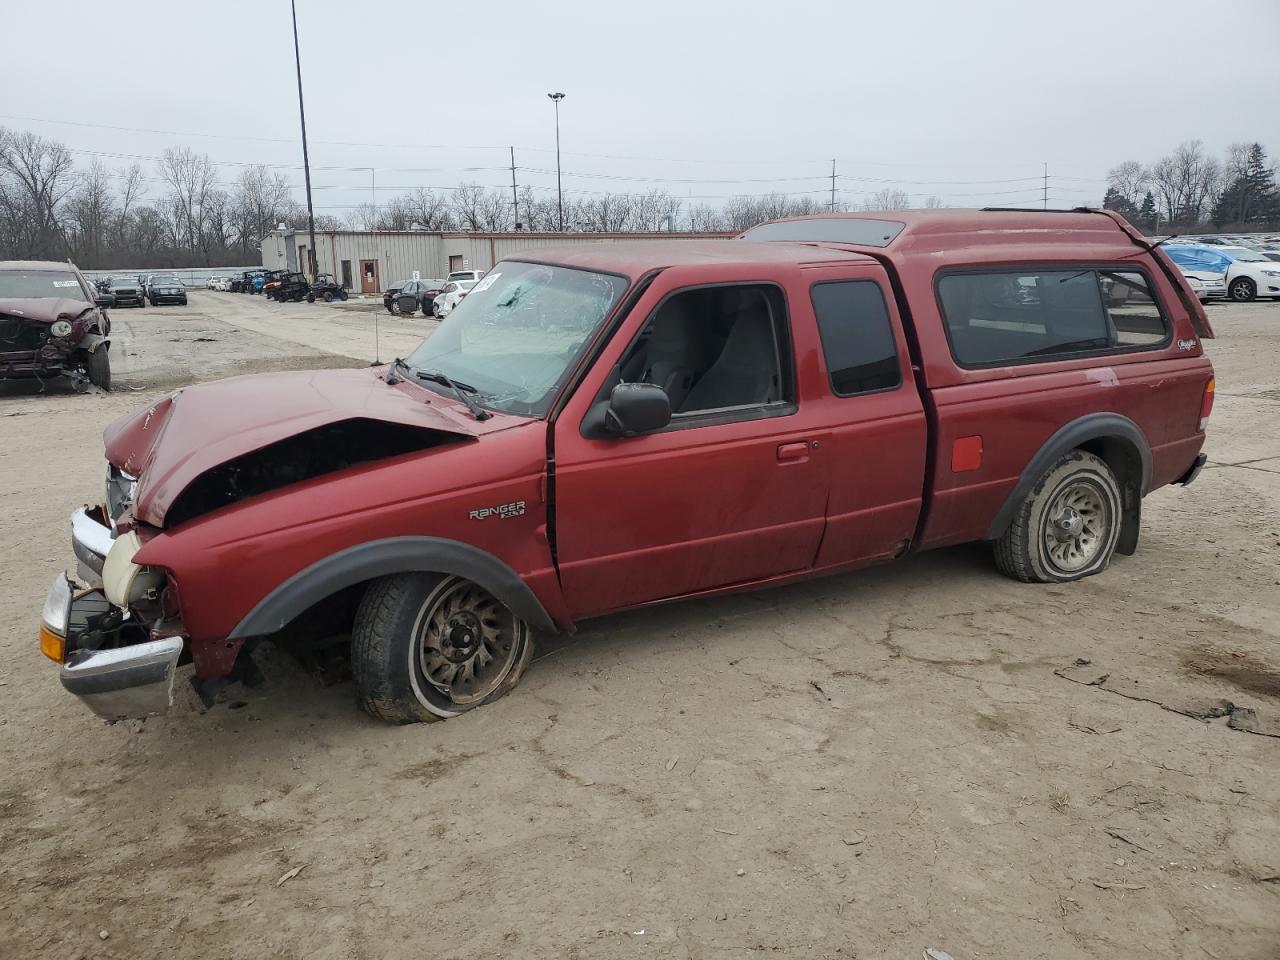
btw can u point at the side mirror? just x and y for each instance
(636, 408)
(103, 301)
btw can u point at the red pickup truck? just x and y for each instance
(606, 426)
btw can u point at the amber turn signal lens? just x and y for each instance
(53, 646)
(1206, 404)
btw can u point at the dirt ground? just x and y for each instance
(864, 766)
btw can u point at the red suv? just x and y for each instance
(601, 427)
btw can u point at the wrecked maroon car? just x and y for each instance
(51, 325)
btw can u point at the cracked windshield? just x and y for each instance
(518, 331)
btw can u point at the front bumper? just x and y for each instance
(133, 680)
(126, 682)
(159, 298)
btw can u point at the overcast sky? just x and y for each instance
(758, 95)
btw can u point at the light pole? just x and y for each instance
(557, 97)
(306, 161)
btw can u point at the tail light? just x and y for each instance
(1206, 404)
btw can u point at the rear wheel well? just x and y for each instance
(1125, 462)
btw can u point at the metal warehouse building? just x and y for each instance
(367, 261)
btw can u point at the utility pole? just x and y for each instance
(306, 160)
(515, 199)
(833, 185)
(557, 97)
(1045, 204)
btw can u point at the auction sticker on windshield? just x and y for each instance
(486, 283)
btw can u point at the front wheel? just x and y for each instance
(430, 646)
(1067, 526)
(1242, 290)
(311, 297)
(98, 368)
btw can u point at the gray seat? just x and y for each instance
(673, 353)
(746, 370)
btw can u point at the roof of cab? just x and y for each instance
(932, 228)
(913, 231)
(634, 258)
(14, 266)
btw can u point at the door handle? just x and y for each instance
(793, 452)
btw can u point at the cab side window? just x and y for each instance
(1028, 315)
(719, 348)
(857, 338)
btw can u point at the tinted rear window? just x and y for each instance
(857, 338)
(1018, 316)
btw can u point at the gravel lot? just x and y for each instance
(863, 766)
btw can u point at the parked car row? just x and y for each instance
(125, 289)
(435, 298)
(1239, 273)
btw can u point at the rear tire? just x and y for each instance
(98, 368)
(311, 297)
(1067, 526)
(419, 642)
(1242, 290)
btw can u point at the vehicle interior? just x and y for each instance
(712, 348)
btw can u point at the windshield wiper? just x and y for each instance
(458, 388)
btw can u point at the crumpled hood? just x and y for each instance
(176, 440)
(44, 310)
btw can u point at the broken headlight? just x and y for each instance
(60, 328)
(119, 492)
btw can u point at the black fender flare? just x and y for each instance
(1107, 427)
(380, 558)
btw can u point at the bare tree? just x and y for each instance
(705, 218)
(430, 211)
(608, 212)
(92, 210)
(933, 203)
(1130, 180)
(495, 211)
(40, 172)
(888, 198)
(655, 210)
(466, 202)
(364, 217)
(1184, 183)
(190, 178)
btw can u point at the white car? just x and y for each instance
(1246, 273)
(1205, 285)
(466, 275)
(217, 283)
(450, 297)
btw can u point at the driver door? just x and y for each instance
(726, 494)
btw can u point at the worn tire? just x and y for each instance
(1242, 290)
(98, 368)
(385, 650)
(328, 297)
(311, 297)
(1022, 552)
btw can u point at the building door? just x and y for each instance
(455, 263)
(346, 274)
(369, 276)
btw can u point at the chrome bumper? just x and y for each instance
(127, 682)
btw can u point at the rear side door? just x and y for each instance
(869, 409)
(733, 490)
